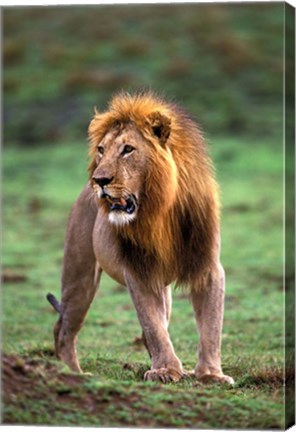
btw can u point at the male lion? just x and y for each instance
(148, 216)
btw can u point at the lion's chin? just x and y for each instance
(122, 211)
(120, 218)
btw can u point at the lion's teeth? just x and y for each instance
(116, 203)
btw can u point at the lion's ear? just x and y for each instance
(160, 126)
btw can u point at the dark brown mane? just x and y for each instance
(176, 230)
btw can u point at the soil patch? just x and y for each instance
(28, 377)
(28, 381)
(11, 276)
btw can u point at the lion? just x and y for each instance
(149, 217)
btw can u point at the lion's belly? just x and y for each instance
(106, 250)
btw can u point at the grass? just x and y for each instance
(40, 185)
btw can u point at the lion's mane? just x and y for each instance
(176, 230)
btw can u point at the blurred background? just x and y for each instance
(223, 62)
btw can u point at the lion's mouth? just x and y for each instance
(127, 205)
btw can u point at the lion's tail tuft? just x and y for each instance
(54, 302)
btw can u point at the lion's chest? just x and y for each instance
(117, 255)
(106, 250)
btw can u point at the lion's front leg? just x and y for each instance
(167, 295)
(152, 313)
(208, 304)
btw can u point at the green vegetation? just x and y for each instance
(223, 62)
(40, 185)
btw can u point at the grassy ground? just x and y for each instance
(40, 185)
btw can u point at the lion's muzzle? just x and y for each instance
(102, 181)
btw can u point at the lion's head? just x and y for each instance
(152, 176)
(121, 161)
(128, 163)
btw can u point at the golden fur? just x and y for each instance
(179, 220)
(148, 216)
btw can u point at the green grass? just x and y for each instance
(40, 185)
(222, 61)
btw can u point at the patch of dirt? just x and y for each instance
(232, 300)
(138, 341)
(244, 207)
(23, 376)
(138, 369)
(36, 379)
(35, 205)
(239, 208)
(127, 307)
(119, 288)
(11, 276)
(274, 377)
(288, 281)
(42, 352)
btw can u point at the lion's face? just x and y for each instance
(121, 161)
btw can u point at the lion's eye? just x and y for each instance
(101, 150)
(127, 149)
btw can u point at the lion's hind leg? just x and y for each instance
(81, 274)
(77, 295)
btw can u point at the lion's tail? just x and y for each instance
(54, 302)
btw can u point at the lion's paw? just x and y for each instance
(215, 378)
(164, 375)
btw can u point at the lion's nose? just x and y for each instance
(102, 181)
